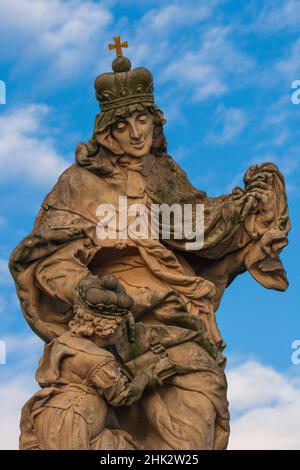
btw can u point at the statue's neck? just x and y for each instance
(132, 163)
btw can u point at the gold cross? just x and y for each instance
(118, 46)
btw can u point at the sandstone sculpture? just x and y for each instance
(133, 355)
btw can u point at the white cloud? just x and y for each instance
(289, 66)
(281, 138)
(17, 383)
(230, 122)
(279, 126)
(27, 151)
(176, 15)
(249, 385)
(287, 159)
(2, 304)
(190, 72)
(206, 64)
(265, 405)
(27, 342)
(204, 67)
(155, 38)
(13, 395)
(288, 162)
(5, 276)
(278, 15)
(64, 31)
(23, 351)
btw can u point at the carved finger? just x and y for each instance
(239, 197)
(158, 349)
(261, 196)
(250, 203)
(257, 184)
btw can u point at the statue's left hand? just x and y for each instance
(257, 193)
(105, 291)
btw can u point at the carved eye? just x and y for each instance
(142, 118)
(120, 125)
(140, 89)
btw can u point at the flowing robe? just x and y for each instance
(70, 413)
(164, 278)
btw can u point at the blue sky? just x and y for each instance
(223, 72)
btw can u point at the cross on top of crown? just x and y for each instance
(118, 45)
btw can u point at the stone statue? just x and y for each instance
(133, 355)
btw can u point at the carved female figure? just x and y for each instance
(176, 289)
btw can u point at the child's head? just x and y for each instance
(102, 310)
(87, 322)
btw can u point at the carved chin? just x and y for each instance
(139, 152)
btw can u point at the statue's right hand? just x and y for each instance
(160, 370)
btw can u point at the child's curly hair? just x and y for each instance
(85, 323)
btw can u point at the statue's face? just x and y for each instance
(134, 134)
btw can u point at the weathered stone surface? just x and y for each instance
(133, 355)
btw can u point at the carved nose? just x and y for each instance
(135, 133)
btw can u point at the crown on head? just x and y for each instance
(123, 86)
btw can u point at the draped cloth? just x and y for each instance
(241, 233)
(70, 412)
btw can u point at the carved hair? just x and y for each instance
(86, 324)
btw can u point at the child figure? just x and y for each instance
(80, 379)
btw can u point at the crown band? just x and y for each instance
(127, 100)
